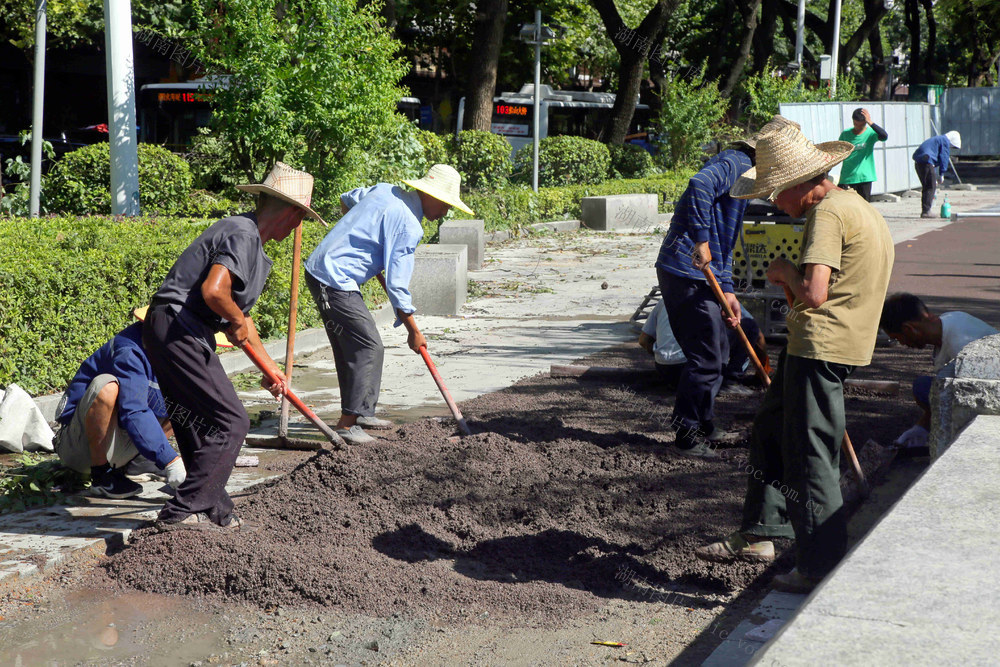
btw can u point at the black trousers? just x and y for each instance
(927, 173)
(209, 420)
(863, 189)
(696, 320)
(357, 346)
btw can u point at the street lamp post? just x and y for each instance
(536, 34)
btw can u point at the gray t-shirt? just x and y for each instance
(235, 244)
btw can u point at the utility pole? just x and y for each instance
(121, 107)
(37, 109)
(835, 48)
(800, 26)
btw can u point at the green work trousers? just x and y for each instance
(793, 473)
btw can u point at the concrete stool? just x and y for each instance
(471, 233)
(620, 212)
(440, 280)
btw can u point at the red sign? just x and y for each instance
(511, 110)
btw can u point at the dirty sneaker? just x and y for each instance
(736, 547)
(354, 435)
(700, 450)
(718, 435)
(795, 582)
(374, 423)
(198, 521)
(108, 482)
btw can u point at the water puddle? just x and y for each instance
(96, 627)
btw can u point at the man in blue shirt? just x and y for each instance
(113, 411)
(931, 162)
(379, 232)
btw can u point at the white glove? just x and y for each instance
(915, 436)
(176, 473)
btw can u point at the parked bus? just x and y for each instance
(576, 113)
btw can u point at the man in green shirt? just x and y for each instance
(858, 170)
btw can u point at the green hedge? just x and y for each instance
(68, 284)
(564, 160)
(515, 207)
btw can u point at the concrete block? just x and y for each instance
(470, 233)
(556, 226)
(910, 194)
(963, 186)
(966, 387)
(498, 236)
(980, 359)
(620, 212)
(886, 197)
(440, 278)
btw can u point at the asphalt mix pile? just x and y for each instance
(563, 486)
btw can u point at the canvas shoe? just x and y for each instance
(112, 483)
(374, 423)
(700, 450)
(736, 547)
(197, 521)
(354, 435)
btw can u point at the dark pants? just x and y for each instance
(738, 355)
(863, 189)
(357, 346)
(696, 320)
(793, 473)
(927, 173)
(209, 420)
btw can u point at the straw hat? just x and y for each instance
(220, 338)
(954, 138)
(774, 124)
(786, 158)
(444, 184)
(288, 185)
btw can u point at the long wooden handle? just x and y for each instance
(845, 445)
(292, 398)
(293, 309)
(455, 412)
(714, 284)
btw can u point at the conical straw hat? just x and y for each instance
(289, 185)
(444, 184)
(785, 158)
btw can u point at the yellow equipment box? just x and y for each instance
(762, 242)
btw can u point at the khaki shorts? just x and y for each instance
(71, 441)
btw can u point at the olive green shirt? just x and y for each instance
(847, 234)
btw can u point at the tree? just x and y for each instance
(634, 47)
(748, 16)
(488, 34)
(314, 79)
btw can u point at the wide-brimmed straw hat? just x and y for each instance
(786, 158)
(444, 184)
(288, 185)
(220, 338)
(772, 125)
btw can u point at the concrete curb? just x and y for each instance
(556, 226)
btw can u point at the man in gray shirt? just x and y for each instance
(212, 287)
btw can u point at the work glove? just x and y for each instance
(915, 436)
(176, 473)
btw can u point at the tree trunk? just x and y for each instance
(723, 37)
(930, 62)
(763, 37)
(912, 19)
(748, 12)
(874, 13)
(633, 48)
(491, 15)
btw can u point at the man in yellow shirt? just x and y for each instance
(839, 286)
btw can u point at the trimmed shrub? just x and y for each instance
(483, 158)
(79, 183)
(630, 161)
(68, 284)
(564, 160)
(435, 148)
(686, 122)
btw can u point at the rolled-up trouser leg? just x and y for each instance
(357, 347)
(209, 420)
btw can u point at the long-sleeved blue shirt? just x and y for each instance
(380, 231)
(936, 151)
(706, 212)
(140, 403)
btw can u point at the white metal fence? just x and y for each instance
(908, 124)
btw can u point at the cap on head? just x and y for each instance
(954, 138)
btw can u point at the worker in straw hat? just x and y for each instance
(379, 232)
(838, 289)
(930, 161)
(210, 288)
(702, 233)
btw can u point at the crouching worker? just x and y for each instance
(113, 412)
(379, 232)
(211, 288)
(906, 319)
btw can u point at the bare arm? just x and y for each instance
(811, 287)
